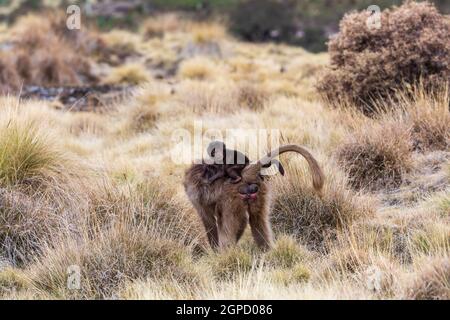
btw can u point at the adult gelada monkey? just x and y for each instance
(226, 208)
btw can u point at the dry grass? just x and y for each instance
(199, 68)
(207, 32)
(374, 162)
(33, 37)
(115, 257)
(128, 74)
(432, 283)
(312, 218)
(428, 117)
(163, 24)
(101, 191)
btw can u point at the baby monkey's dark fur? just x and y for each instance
(227, 163)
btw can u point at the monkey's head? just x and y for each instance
(217, 150)
(252, 179)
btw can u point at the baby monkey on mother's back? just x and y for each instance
(227, 163)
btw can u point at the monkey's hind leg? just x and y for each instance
(209, 222)
(232, 223)
(260, 226)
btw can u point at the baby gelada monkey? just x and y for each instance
(227, 162)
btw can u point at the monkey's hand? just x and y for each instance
(236, 180)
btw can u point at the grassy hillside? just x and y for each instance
(98, 189)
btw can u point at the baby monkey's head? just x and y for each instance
(218, 151)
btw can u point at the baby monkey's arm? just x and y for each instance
(216, 176)
(232, 172)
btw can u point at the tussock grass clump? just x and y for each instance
(33, 36)
(292, 276)
(143, 204)
(128, 74)
(376, 156)
(204, 33)
(346, 261)
(205, 40)
(29, 223)
(12, 280)
(143, 112)
(432, 283)
(42, 193)
(38, 184)
(301, 212)
(286, 253)
(199, 68)
(62, 69)
(359, 257)
(172, 217)
(376, 274)
(30, 155)
(208, 97)
(411, 45)
(85, 123)
(252, 96)
(141, 118)
(26, 157)
(111, 259)
(118, 46)
(428, 116)
(387, 238)
(232, 262)
(432, 239)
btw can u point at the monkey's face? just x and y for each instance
(248, 192)
(250, 184)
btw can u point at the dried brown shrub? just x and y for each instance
(376, 157)
(412, 45)
(45, 53)
(9, 78)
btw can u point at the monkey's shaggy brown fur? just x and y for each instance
(226, 208)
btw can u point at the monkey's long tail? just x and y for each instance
(317, 174)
